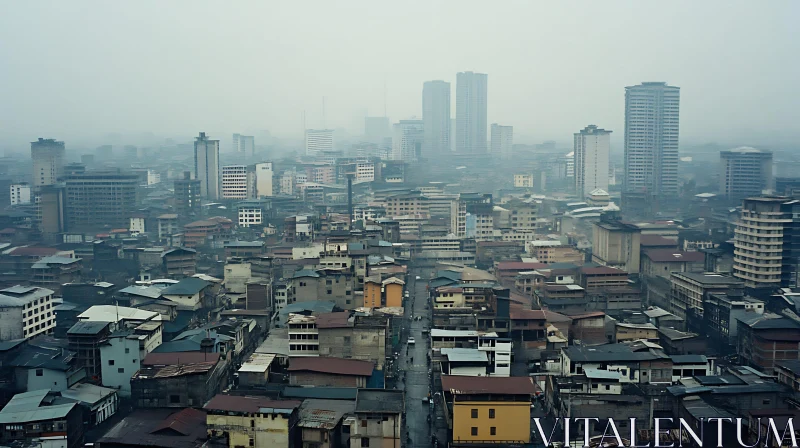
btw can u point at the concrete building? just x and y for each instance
(235, 182)
(436, 118)
(265, 177)
(187, 197)
(689, 291)
(763, 236)
(616, 244)
(318, 140)
(28, 418)
(122, 353)
(329, 372)
(51, 210)
(244, 144)
(471, 106)
(592, 147)
(745, 172)
(253, 213)
(48, 161)
(407, 140)
(256, 422)
(25, 312)
(167, 225)
(652, 112)
(502, 141)
(179, 380)
(206, 166)
(378, 418)
(20, 194)
(179, 262)
(100, 199)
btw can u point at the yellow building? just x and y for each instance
(372, 293)
(449, 297)
(252, 421)
(393, 292)
(386, 293)
(489, 410)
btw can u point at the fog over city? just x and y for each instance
(80, 70)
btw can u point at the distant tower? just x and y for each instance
(48, 161)
(471, 104)
(591, 160)
(745, 172)
(436, 117)
(502, 141)
(206, 166)
(407, 140)
(318, 140)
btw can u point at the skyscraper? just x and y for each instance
(471, 113)
(745, 172)
(244, 144)
(102, 198)
(407, 140)
(187, 197)
(48, 161)
(502, 141)
(318, 140)
(651, 139)
(436, 117)
(206, 166)
(591, 153)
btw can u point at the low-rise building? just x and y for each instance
(167, 226)
(378, 418)
(122, 352)
(85, 338)
(595, 279)
(178, 380)
(256, 422)
(27, 418)
(663, 262)
(100, 402)
(329, 372)
(766, 339)
(158, 428)
(383, 293)
(626, 332)
(189, 293)
(321, 422)
(255, 371)
(690, 289)
(180, 262)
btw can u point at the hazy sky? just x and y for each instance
(85, 68)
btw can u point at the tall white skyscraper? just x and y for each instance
(652, 112)
(407, 140)
(436, 117)
(244, 144)
(234, 182)
(318, 140)
(592, 149)
(264, 179)
(502, 141)
(47, 155)
(471, 112)
(206, 166)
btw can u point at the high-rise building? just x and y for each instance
(206, 166)
(502, 141)
(591, 159)
(234, 182)
(436, 117)
(652, 112)
(471, 121)
(376, 129)
(50, 210)
(407, 140)
(100, 199)
(187, 197)
(265, 176)
(745, 172)
(318, 140)
(48, 161)
(244, 144)
(20, 194)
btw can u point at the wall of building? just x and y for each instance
(372, 295)
(326, 380)
(11, 323)
(394, 294)
(37, 379)
(270, 431)
(512, 421)
(128, 361)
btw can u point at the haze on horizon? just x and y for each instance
(82, 69)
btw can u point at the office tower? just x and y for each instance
(502, 141)
(318, 140)
(651, 139)
(100, 199)
(264, 179)
(206, 166)
(187, 197)
(20, 194)
(436, 117)
(407, 140)
(234, 182)
(48, 161)
(50, 210)
(471, 113)
(376, 129)
(767, 243)
(452, 135)
(745, 172)
(591, 152)
(244, 144)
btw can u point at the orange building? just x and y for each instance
(383, 293)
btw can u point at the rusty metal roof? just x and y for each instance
(334, 366)
(479, 385)
(324, 414)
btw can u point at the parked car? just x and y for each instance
(411, 341)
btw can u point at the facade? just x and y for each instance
(256, 422)
(235, 182)
(48, 161)
(471, 106)
(20, 194)
(264, 180)
(122, 353)
(745, 172)
(591, 159)
(100, 199)
(179, 380)
(407, 140)
(318, 140)
(689, 291)
(436, 118)
(167, 225)
(329, 372)
(25, 312)
(378, 419)
(206, 166)
(616, 244)
(652, 112)
(759, 241)
(244, 144)
(253, 213)
(187, 197)
(502, 141)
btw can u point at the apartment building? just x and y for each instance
(27, 312)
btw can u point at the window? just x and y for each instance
(39, 372)
(474, 413)
(491, 413)
(493, 431)
(364, 442)
(252, 441)
(363, 423)
(111, 362)
(765, 402)
(121, 370)
(252, 423)
(347, 339)
(474, 431)
(174, 399)
(127, 350)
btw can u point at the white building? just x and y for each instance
(26, 311)
(48, 161)
(303, 335)
(471, 105)
(436, 117)
(123, 352)
(206, 166)
(244, 144)
(523, 181)
(264, 180)
(502, 141)
(20, 194)
(288, 183)
(153, 177)
(318, 140)
(365, 172)
(136, 225)
(251, 213)
(592, 149)
(652, 112)
(234, 182)
(407, 140)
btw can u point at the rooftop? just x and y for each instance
(481, 385)
(324, 414)
(708, 278)
(464, 355)
(334, 320)
(87, 393)
(611, 352)
(328, 393)
(656, 240)
(258, 363)
(382, 401)
(185, 287)
(111, 313)
(159, 428)
(667, 255)
(250, 405)
(25, 407)
(333, 366)
(87, 327)
(169, 359)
